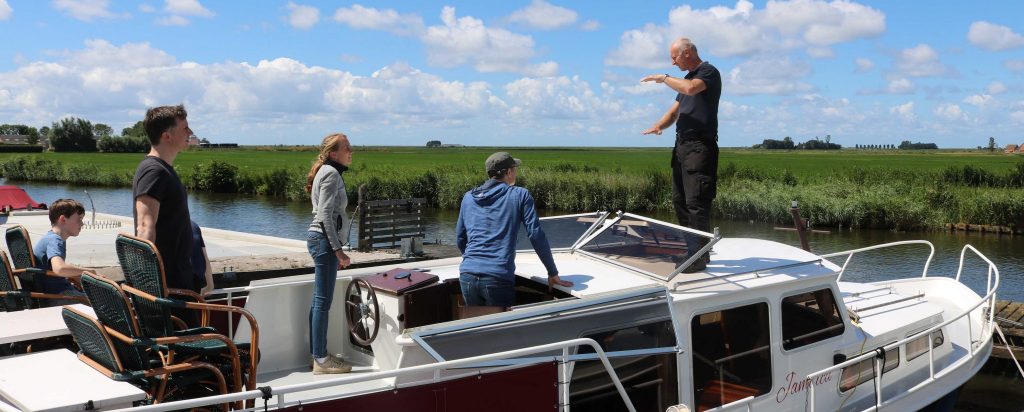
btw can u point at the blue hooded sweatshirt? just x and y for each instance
(489, 221)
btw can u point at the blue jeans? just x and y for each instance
(325, 264)
(484, 290)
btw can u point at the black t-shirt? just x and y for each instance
(157, 179)
(699, 114)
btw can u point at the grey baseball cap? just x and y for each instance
(501, 161)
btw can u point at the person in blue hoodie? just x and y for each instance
(489, 221)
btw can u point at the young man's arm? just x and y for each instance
(461, 236)
(540, 242)
(147, 208)
(209, 275)
(65, 270)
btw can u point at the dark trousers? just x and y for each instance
(694, 186)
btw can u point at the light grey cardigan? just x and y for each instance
(329, 203)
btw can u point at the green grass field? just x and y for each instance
(890, 189)
(803, 164)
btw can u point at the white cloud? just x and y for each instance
(368, 18)
(768, 76)
(978, 99)
(1014, 65)
(993, 37)
(921, 61)
(190, 8)
(147, 8)
(905, 111)
(543, 15)
(1017, 116)
(173, 20)
(115, 83)
(179, 11)
(864, 65)
(562, 98)
(86, 10)
(5, 10)
(950, 111)
(744, 31)
(995, 88)
(466, 40)
(820, 52)
(590, 25)
(900, 85)
(302, 17)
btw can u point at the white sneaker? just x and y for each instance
(331, 365)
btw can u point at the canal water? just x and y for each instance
(282, 218)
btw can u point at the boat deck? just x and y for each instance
(305, 375)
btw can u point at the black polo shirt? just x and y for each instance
(699, 114)
(157, 179)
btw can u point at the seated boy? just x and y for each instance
(50, 251)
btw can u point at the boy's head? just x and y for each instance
(67, 215)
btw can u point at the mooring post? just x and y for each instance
(800, 225)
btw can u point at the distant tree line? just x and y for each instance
(788, 144)
(74, 134)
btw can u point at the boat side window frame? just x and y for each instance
(939, 335)
(835, 301)
(687, 387)
(886, 368)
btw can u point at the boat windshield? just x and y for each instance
(562, 231)
(653, 247)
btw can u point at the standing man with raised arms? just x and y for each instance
(695, 156)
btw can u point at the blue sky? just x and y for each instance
(518, 73)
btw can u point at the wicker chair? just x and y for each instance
(147, 363)
(24, 267)
(13, 298)
(146, 283)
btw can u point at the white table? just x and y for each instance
(58, 381)
(36, 323)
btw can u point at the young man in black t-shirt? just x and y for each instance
(161, 203)
(695, 157)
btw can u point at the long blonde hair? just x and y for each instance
(329, 145)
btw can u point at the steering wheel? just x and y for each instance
(361, 308)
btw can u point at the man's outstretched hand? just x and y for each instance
(555, 280)
(653, 130)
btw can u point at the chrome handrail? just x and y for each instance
(849, 254)
(990, 298)
(363, 377)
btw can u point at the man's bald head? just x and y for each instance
(684, 54)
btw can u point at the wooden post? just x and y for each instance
(800, 225)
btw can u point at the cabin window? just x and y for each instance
(562, 232)
(731, 356)
(653, 247)
(650, 379)
(864, 371)
(919, 346)
(810, 317)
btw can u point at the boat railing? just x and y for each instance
(973, 346)
(267, 393)
(849, 253)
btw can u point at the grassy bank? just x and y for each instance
(849, 188)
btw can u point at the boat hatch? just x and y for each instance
(627, 323)
(564, 232)
(653, 248)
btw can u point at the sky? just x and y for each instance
(520, 72)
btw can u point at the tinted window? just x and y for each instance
(919, 346)
(810, 317)
(731, 356)
(864, 370)
(648, 246)
(561, 232)
(650, 380)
